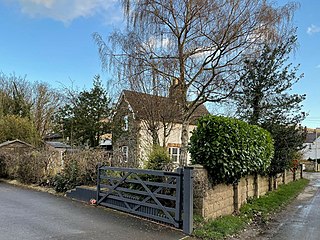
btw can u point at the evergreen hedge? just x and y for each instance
(230, 148)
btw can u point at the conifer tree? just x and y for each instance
(264, 98)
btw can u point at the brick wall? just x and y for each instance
(212, 201)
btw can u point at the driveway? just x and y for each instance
(30, 215)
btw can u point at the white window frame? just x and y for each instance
(126, 123)
(174, 156)
(124, 153)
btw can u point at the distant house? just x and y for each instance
(137, 115)
(311, 150)
(15, 146)
(106, 142)
(56, 137)
(58, 149)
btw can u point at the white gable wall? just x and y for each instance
(311, 150)
(173, 140)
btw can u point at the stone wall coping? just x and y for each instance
(196, 166)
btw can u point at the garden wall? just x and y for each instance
(310, 166)
(212, 201)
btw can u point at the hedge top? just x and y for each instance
(230, 148)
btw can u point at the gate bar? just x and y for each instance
(187, 200)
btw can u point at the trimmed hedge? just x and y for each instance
(230, 148)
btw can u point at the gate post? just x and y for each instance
(187, 200)
(98, 183)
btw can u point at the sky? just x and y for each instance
(51, 41)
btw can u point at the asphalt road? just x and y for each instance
(30, 215)
(303, 219)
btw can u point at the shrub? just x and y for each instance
(10, 163)
(32, 167)
(159, 159)
(80, 168)
(69, 179)
(60, 183)
(27, 167)
(3, 166)
(230, 148)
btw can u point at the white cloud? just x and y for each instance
(318, 66)
(68, 10)
(157, 43)
(313, 29)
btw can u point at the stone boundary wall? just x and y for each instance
(212, 201)
(310, 166)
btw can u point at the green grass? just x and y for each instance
(258, 207)
(219, 228)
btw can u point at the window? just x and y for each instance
(174, 153)
(124, 153)
(126, 123)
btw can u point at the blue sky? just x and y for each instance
(51, 41)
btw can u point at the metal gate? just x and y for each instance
(159, 195)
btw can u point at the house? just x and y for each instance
(15, 146)
(57, 137)
(145, 119)
(311, 150)
(106, 142)
(58, 149)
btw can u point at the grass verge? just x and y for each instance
(255, 208)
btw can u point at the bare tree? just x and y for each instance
(200, 43)
(36, 102)
(15, 95)
(45, 103)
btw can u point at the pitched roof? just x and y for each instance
(15, 141)
(146, 106)
(58, 145)
(311, 137)
(52, 136)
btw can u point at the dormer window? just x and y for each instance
(126, 123)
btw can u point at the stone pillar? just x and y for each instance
(200, 187)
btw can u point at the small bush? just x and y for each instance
(27, 167)
(80, 168)
(230, 148)
(60, 183)
(10, 163)
(159, 159)
(3, 166)
(69, 179)
(32, 167)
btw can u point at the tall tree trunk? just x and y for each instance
(155, 137)
(184, 143)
